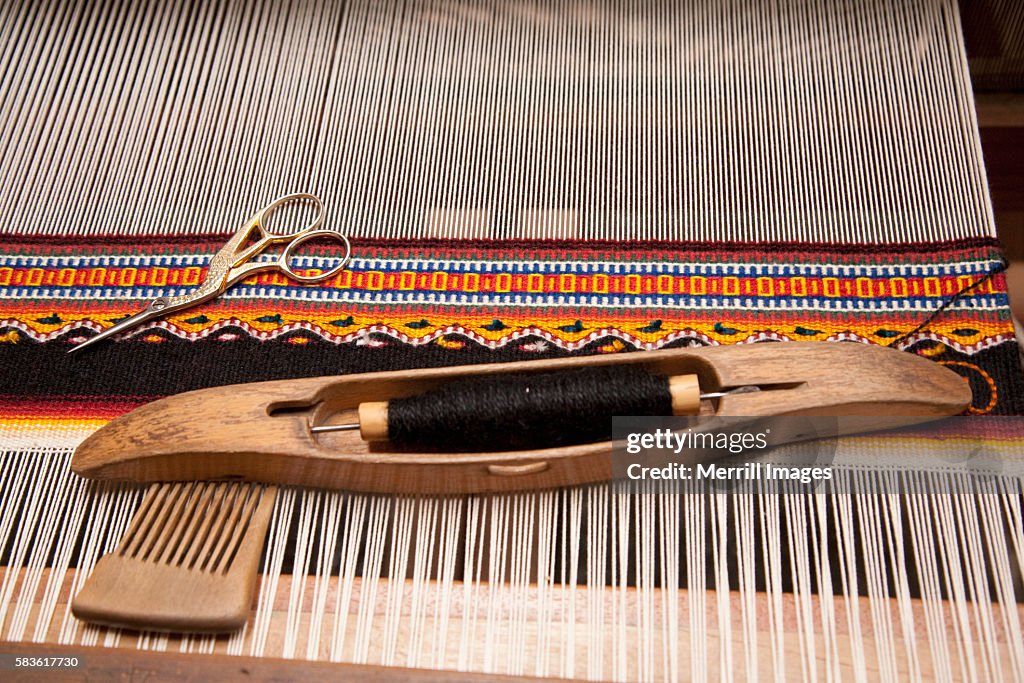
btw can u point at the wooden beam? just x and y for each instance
(108, 664)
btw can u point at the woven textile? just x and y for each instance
(607, 177)
(414, 304)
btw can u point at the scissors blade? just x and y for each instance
(148, 313)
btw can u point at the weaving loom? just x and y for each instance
(519, 182)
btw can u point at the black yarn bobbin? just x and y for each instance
(514, 412)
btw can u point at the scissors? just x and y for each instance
(234, 262)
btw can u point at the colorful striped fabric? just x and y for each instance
(410, 304)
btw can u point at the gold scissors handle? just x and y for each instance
(234, 261)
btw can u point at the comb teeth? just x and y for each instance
(187, 563)
(197, 526)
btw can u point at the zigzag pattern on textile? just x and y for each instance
(229, 329)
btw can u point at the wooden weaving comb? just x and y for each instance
(281, 432)
(187, 563)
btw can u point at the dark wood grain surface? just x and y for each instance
(106, 664)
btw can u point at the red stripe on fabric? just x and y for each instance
(200, 243)
(68, 407)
